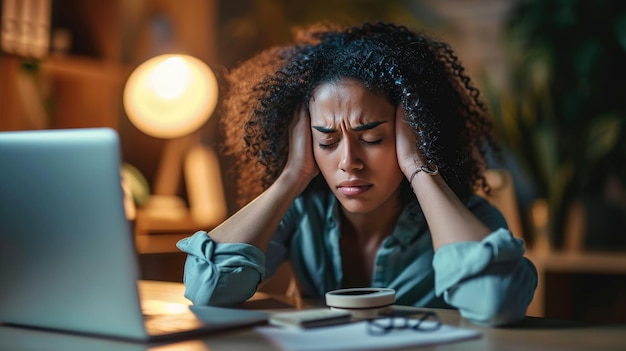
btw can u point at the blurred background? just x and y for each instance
(550, 71)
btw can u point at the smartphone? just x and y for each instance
(310, 318)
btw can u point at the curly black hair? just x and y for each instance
(412, 69)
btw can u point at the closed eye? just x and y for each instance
(375, 142)
(328, 146)
(334, 144)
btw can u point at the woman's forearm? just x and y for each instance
(256, 222)
(448, 218)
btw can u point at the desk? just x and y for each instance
(532, 334)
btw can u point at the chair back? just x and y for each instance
(502, 196)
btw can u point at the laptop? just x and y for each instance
(67, 253)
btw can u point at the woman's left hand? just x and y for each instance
(448, 218)
(408, 155)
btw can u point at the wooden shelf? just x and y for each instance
(105, 71)
(573, 264)
(580, 262)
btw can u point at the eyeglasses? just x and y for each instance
(419, 322)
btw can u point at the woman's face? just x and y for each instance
(354, 145)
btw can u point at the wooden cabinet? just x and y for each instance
(85, 92)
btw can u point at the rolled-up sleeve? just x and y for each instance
(490, 282)
(220, 274)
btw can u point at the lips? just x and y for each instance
(353, 187)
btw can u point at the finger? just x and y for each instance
(406, 139)
(400, 115)
(403, 128)
(301, 149)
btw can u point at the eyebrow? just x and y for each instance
(366, 126)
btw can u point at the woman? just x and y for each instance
(367, 145)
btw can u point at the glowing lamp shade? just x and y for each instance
(170, 96)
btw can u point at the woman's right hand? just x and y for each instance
(257, 222)
(301, 165)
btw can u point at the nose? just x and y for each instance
(350, 158)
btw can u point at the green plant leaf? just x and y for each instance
(602, 136)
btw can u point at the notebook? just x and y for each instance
(67, 255)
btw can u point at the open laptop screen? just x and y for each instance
(67, 257)
(67, 254)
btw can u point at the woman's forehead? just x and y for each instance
(348, 100)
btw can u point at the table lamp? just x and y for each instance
(171, 97)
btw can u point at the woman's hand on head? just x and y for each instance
(300, 161)
(406, 144)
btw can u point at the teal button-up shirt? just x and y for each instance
(490, 281)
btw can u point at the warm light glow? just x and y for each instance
(170, 78)
(170, 96)
(157, 307)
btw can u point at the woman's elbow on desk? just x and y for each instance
(214, 288)
(494, 299)
(220, 274)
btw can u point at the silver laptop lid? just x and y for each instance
(67, 258)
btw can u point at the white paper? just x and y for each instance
(354, 336)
